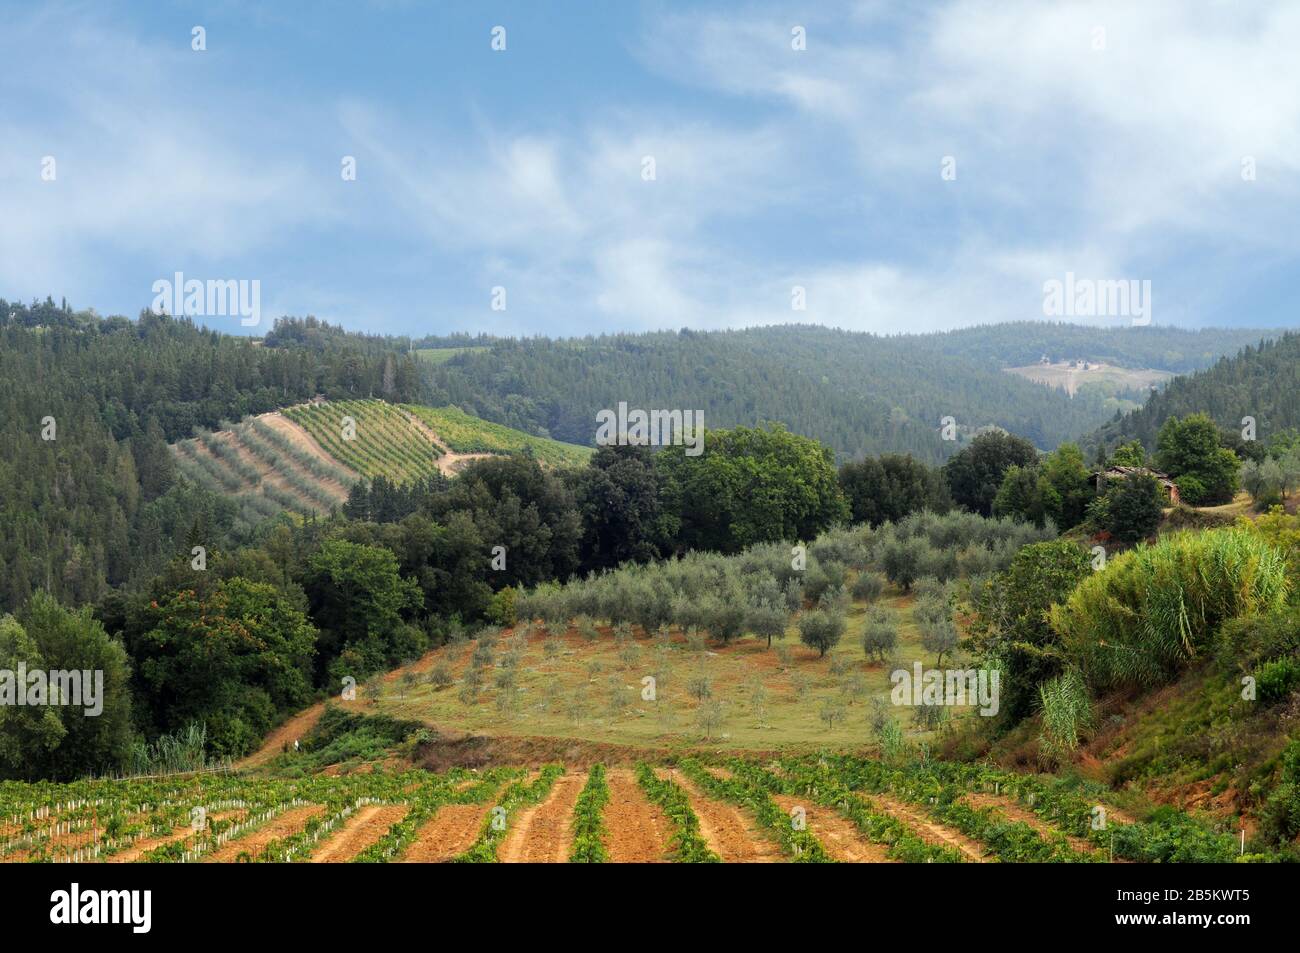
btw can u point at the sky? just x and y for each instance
(887, 167)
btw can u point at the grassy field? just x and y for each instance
(593, 690)
(465, 433)
(1111, 379)
(441, 355)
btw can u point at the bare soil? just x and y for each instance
(544, 834)
(358, 832)
(450, 832)
(727, 831)
(638, 831)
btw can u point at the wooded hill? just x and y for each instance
(1262, 382)
(858, 393)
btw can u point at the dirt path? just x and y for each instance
(450, 461)
(638, 831)
(544, 834)
(304, 441)
(452, 831)
(837, 834)
(252, 843)
(930, 831)
(357, 833)
(296, 727)
(725, 829)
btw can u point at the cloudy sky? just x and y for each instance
(1131, 141)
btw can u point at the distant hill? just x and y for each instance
(1017, 343)
(859, 393)
(1261, 382)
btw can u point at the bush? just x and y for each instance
(868, 586)
(1066, 711)
(1155, 608)
(1130, 511)
(1278, 679)
(1279, 822)
(501, 608)
(880, 635)
(821, 629)
(1250, 642)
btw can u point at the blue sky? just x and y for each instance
(1106, 140)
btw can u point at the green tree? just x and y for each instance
(889, 487)
(1131, 454)
(1070, 483)
(821, 629)
(619, 497)
(1025, 494)
(1131, 510)
(752, 485)
(975, 473)
(1010, 629)
(360, 603)
(235, 662)
(64, 741)
(1190, 448)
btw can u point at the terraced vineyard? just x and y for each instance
(305, 458)
(371, 437)
(268, 465)
(805, 810)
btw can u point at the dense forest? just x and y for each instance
(858, 393)
(1262, 382)
(1019, 343)
(88, 492)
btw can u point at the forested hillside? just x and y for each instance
(859, 393)
(1025, 342)
(88, 490)
(1262, 382)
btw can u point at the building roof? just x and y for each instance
(1119, 473)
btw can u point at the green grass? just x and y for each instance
(441, 355)
(570, 695)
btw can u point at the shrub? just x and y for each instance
(501, 608)
(880, 635)
(868, 586)
(1277, 679)
(821, 629)
(1066, 711)
(1130, 511)
(1155, 608)
(587, 629)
